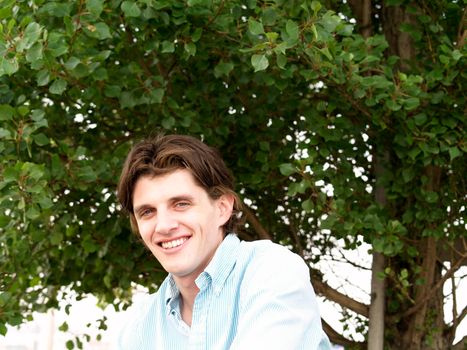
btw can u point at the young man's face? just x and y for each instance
(179, 222)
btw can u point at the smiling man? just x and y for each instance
(220, 292)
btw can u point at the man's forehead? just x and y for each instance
(179, 183)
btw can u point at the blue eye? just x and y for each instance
(145, 212)
(182, 204)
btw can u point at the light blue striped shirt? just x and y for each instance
(252, 295)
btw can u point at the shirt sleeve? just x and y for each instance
(278, 307)
(130, 334)
(127, 335)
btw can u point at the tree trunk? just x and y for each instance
(400, 43)
(377, 307)
(363, 13)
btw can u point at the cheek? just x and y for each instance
(145, 230)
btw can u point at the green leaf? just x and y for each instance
(112, 90)
(100, 74)
(292, 30)
(281, 48)
(431, 197)
(255, 27)
(420, 119)
(3, 329)
(6, 112)
(157, 95)
(223, 68)
(32, 212)
(95, 7)
(392, 105)
(56, 9)
(259, 62)
(58, 86)
(57, 45)
(5, 134)
(454, 152)
(269, 16)
(308, 205)
(202, 3)
(37, 115)
(190, 48)
(196, 35)
(4, 298)
(127, 100)
(102, 31)
(326, 53)
(42, 77)
(330, 21)
(63, 327)
(87, 174)
(408, 174)
(31, 35)
(35, 52)
(56, 238)
(309, 74)
(457, 55)
(168, 123)
(411, 103)
(5, 12)
(287, 169)
(281, 60)
(272, 36)
(315, 6)
(8, 66)
(72, 63)
(131, 9)
(168, 47)
(41, 139)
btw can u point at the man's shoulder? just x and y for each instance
(141, 317)
(266, 251)
(144, 302)
(265, 247)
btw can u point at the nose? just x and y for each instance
(166, 223)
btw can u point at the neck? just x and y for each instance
(188, 292)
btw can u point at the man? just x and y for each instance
(220, 293)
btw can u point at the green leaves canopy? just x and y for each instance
(288, 91)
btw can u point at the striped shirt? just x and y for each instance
(252, 295)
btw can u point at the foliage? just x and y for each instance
(297, 101)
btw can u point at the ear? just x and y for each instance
(225, 205)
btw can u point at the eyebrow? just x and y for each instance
(182, 197)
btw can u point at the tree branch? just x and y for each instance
(461, 31)
(458, 320)
(330, 293)
(431, 291)
(253, 220)
(336, 338)
(298, 243)
(461, 345)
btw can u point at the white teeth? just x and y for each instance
(173, 244)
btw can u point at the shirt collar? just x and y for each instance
(217, 271)
(223, 262)
(171, 294)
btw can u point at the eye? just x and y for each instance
(145, 212)
(182, 204)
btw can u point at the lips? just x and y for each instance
(174, 243)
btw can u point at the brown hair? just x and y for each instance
(164, 154)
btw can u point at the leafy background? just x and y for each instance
(337, 126)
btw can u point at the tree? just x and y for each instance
(365, 99)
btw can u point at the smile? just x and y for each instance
(173, 244)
